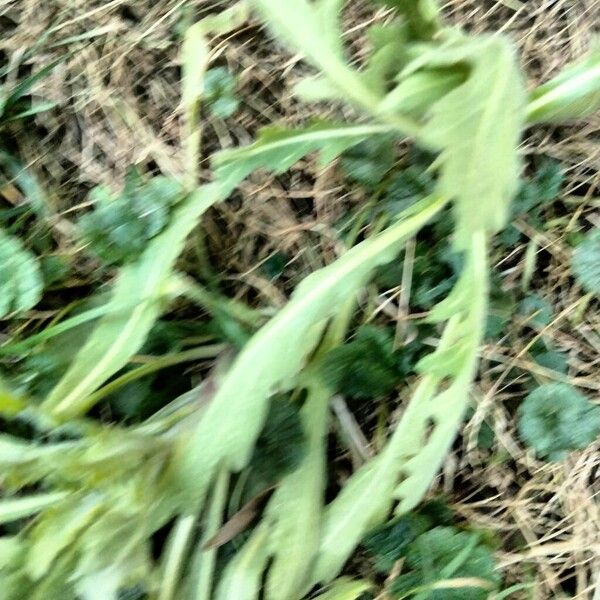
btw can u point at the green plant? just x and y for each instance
(586, 262)
(363, 368)
(101, 493)
(447, 564)
(219, 93)
(119, 228)
(555, 419)
(22, 284)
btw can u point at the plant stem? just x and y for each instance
(159, 363)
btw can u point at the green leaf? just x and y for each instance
(277, 149)
(417, 93)
(390, 543)
(121, 333)
(555, 361)
(438, 561)
(21, 281)
(243, 576)
(345, 588)
(573, 94)
(426, 431)
(276, 353)
(543, 187)
(477, 126)
(119, 228)
(56, 531)
(219, 93)
(537, 311)
(586, 262)
(295, 508)
(555, 418)
(18, 508)
(10, 100)
(313, 28)
(368, 161)
(363, 368)
(422, 16)
(281, 443)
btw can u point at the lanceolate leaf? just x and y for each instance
(413, 452)
(295, 508)
(120, 334)
(277, 149)
(477, 126)
(243, 576)
(18, 508)
(274, 356)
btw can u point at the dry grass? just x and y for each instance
(118, 104)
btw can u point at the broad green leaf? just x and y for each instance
(118, 335)
(345, 588)
(296, 506)
(18, 508)
(477, 126)
(27, 183)
(242, 578)
(276, 353)
(388, 56)
(277, 149)
(102, 585)
(21, 281)
(420, 440)
(316, 89)
(572, 94)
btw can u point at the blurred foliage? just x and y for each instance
(389, 543)
(586, 262)
(219, 93)
(119, 227)
(437, 559)
(281, 444)
(368, 162)
(368, 366)
(556, 418)
(20, 277)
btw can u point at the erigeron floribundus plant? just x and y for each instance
(462, 97)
